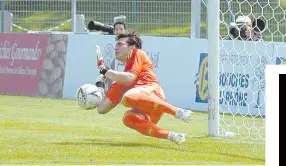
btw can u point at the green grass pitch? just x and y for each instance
(57, 131)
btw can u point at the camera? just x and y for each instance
(98, 26)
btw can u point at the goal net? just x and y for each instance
(252, 34)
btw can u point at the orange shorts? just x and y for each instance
(155, 92)
(150, 116)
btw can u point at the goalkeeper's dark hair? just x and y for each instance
(133, 38)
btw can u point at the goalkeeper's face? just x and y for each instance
(123, 50)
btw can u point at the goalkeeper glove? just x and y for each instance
(100, 81)
(100, 62)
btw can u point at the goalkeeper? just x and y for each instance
(138, 88)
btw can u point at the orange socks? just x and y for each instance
(144, 102)
(143, 125)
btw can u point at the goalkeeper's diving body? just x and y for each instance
(137, 88)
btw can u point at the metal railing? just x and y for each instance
(148, 17)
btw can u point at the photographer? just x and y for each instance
(244, 29)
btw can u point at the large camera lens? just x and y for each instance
(238, 32)
(234, 32)
(258, 25)
(98, 26)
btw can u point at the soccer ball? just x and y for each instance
(88, 96)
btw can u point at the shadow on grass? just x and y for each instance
(186, 149)
(102, 142)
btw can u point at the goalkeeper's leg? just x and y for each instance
(146, 125)
(146, 98)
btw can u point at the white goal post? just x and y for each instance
(213, 68)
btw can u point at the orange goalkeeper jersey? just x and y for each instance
(140, 64)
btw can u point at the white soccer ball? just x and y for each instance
(88, 96)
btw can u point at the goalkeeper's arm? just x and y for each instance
(126, 78)
(105, 105)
